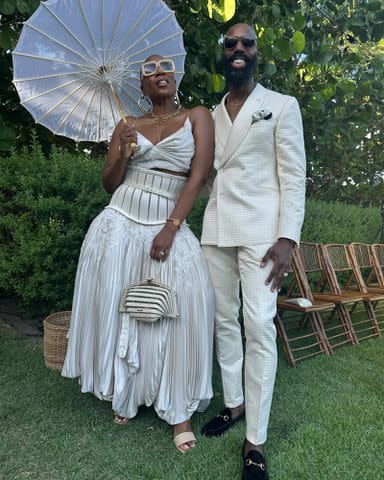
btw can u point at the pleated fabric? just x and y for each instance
(168, 363)
(147, 196)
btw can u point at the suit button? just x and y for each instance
(220, 170)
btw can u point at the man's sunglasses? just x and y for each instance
(247, 42)
(151, 67)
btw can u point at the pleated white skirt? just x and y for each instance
(174, 355)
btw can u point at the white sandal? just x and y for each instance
(182, 438)
(119, 420)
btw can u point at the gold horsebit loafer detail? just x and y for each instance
(249, 462)
(221, 423)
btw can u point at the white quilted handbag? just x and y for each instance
(149, 301)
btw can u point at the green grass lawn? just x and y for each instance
(327, 423)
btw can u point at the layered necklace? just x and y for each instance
(164, 118)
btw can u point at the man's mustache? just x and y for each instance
(239, 55)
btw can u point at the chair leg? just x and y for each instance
(347, 323)
(328, 350)
(372, 318)
(284, 340)
(294, 354)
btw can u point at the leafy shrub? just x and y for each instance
(48, 201)
(46, 206)
(336, 222)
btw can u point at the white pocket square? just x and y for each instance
(263, 114)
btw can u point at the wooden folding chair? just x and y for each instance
(300, 331)
(339, 271)
(366, 275)
(362, 259)
(338, 325)
(377, 252)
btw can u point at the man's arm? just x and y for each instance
(291, 171)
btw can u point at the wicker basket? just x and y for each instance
(55, 339)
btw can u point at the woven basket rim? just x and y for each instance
(64, 316)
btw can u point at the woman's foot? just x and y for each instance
(119, 420)
(183, 436)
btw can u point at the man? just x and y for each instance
(251, 224)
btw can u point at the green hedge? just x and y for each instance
(337, 222)
(46, 205)
(48, 201)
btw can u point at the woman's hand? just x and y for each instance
(162, 243)
(128, 135)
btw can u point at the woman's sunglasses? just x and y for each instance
(151, 67)
(247, 42)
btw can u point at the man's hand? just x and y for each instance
(281, 255)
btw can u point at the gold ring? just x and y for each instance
(133, 146)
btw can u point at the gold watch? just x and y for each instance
(176, 222)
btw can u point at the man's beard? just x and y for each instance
(237, 77)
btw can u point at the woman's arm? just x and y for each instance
(119, 153)
(203, 132)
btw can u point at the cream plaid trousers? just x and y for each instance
(229, 267)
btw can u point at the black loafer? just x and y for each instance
(221, 423)
(254, 466)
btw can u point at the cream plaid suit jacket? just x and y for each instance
(258, 193)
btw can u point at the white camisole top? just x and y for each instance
(174, 152)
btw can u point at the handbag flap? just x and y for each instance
(149, 300)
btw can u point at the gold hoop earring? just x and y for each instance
(177, 100)
(145, 104)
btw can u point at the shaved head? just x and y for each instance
(241, 30)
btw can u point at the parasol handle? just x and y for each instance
(118, 103)
(133, 145)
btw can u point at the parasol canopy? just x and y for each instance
(73, 55)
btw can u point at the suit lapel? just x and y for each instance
(223, 124)
(242, 122)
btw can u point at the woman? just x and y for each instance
(155, 169)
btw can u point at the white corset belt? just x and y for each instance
(147, 196)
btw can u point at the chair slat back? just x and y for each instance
(313, 266)
(340, 258)
(338, 255)
(302, 281)
(362, 254)
(329, 270)
(379, 251)
(310, 257)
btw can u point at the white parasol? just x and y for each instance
(76, 58)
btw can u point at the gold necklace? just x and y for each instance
(236, 104)
(165, 118)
